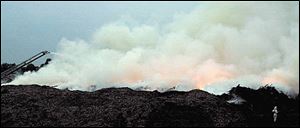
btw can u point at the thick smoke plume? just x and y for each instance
(214, 47)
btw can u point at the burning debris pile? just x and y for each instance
(213, 48)
(35, 105)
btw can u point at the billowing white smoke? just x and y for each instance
(215, 47)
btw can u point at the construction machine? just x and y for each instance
(13, 69)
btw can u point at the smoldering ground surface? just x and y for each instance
(34, 105)
(213, 47)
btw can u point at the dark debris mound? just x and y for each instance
(34, 105)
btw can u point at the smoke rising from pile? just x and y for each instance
(214, 47)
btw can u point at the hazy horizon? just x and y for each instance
(30, 27)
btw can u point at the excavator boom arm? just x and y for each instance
(24, 63)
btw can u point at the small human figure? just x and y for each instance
(275, 111)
